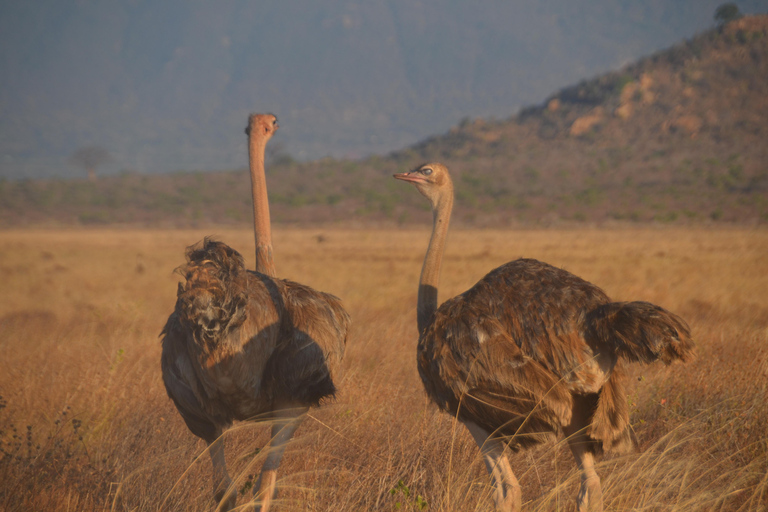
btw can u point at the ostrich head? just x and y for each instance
(432, 180)
(262, 125)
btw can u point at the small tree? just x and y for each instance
(277, 155)
(726, 13)
(90, 158)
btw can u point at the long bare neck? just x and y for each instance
(261, 224)
(430, 272)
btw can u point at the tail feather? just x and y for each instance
(640, 331)
(214, 254)
(211, 302)
(610, 421)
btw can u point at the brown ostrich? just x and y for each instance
(531, 350)
(245, 345)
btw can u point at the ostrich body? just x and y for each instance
(532, 350)
(245, 345)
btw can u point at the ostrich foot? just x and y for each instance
(509, 498)
(225, 502)
(590, 495)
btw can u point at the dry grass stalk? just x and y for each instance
(79, 324)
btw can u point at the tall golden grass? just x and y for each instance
(85, 423)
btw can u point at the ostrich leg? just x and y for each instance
(221, 480)
(507, 493)
(286, 423)
(590, 497)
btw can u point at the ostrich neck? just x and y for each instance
(430, 272)
(261, 224)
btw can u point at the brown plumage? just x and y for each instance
(532, 350)
(244, 345)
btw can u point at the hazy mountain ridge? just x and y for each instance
(677, 137)
(166, 86)
(679, 133)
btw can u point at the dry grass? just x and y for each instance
(85, 423)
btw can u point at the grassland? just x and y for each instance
(85, 423)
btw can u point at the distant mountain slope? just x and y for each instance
(680, 134)
(677, 137)
(166, 86)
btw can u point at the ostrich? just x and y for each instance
(531, 350)
(245, 345)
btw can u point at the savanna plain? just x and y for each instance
(85, 423)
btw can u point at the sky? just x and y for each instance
(166, 86)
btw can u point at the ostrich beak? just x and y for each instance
(410, 176)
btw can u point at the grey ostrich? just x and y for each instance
(532, 350)
(245, 345)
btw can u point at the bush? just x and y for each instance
(726, 13)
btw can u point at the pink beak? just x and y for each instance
(407, 176)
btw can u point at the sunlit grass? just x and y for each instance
(85, 423)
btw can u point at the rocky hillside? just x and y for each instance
(677, 137)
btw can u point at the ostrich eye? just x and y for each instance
(274, 122)
(426, 172)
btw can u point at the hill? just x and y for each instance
(165, 86)
(677, 137)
